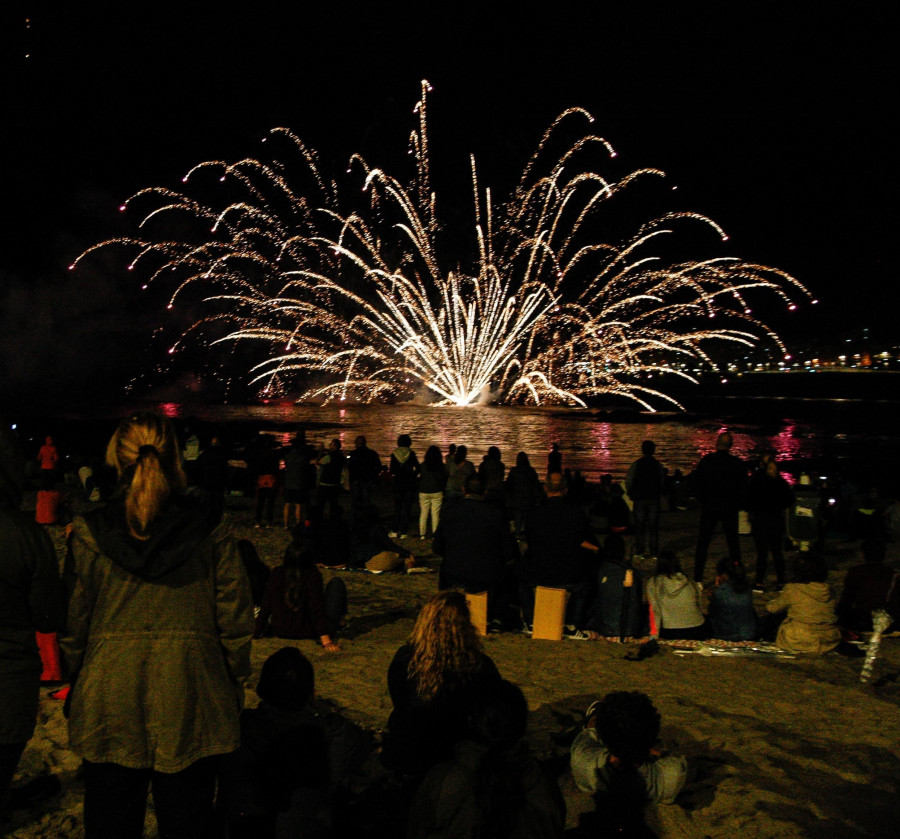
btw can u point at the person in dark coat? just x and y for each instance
(30, 601)
(404, 469)
(363, 467)
(492, 471)
(720, 484)
(731, 613)
(644, 482)
(524, 491)
(434, 682)
(769, 497)
(212, 474)
(474, 540)
(867, 588)
(560, 542)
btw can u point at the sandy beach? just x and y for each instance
(782, 747)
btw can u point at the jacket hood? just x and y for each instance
(12, 468)
(402, 454)
(173, 537)
(672, 586)
(819, 592)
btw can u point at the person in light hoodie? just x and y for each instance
(675, 601)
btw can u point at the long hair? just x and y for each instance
(434, 460)
(445, 646)
(144, 453)
(299, 561)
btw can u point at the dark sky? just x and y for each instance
(771, 118)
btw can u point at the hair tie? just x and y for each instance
(143, 451)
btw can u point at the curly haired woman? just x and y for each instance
(434, 681)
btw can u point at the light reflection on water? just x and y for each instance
(595, 447)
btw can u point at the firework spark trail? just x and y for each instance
(359, 301)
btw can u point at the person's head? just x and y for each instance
(724, 441)
(451, 450)
(628, 725)
(144, 452)
(474, 486)
(286, 680)
(360, 442)
(299, 560)
(493, 453)
(334, 445)
(771, 469)
(522, 460)
(404, 441)
(434, 460)
(811, 568)
(445, 645)
(556, 484)
(648, 447)
(462, 452)
(668, 563)
(500, 717)
(554, 447)
(732, 569)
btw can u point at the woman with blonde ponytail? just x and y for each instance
(158, 643)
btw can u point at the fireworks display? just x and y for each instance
(349, 294)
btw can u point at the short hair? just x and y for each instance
(404, 441)
(556, 483)
(287, 680)
(648, 447)
(360, 440)
(474, 485)
(628, 725)
(724, 441)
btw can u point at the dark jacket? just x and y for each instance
(308, 621)
(404, 469)
(554, 533)
(645, 479)
(422, 733)
(158, 633)
(720, 480)
(731, 613)
(363, 464)
(474, 540)
(30, 599)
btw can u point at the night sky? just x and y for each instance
(770, 117)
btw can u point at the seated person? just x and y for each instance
(434, 681)
(372, 548)
(283, 750)
(618, 754)
(295, 605)
(675, 601)
(810, 625)
(867, 588)
(731, 614)
(493, 786)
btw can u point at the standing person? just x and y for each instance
(492, 471)
(158, 636)
(212, 468)
(644, 482)
(451, 450)
(363, 466)
(48, 458)
(559, 541)
(299, 479)
(265, 465)
(458, 471)
(331, 466)
(30, 601)
(554, 460)
(404, 470)
(433, 479)
(524, 490)
(720, 483)
(769, 497)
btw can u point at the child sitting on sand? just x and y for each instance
(618, 754)
(731, 603)
(283, 750)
